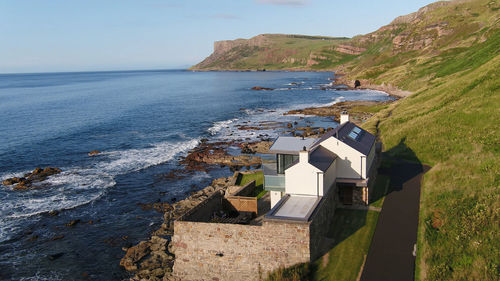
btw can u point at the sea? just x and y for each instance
(143, 122)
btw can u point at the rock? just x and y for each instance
(20, 186)
(11, 181)
(135, 254)
(53, 213)
(37, 171)
(49, 171)
(257, 88)
(73, 222)
(36, 175)
(94, 152)
(55, 256)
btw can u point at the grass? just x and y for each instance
(259, 183)
(369, 108)
(352, 231)
(453, 127)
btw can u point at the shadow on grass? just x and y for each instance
(398, 165)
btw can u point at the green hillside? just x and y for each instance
(448, 55)
(451, 122)
(267, 51)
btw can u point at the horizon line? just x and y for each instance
(93, 71)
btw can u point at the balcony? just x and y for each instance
(272, 180)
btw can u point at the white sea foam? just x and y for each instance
(54, 276)
(228, 129)
(10, 175)
(77, 186)
(218, 126)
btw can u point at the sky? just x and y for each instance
(97, 35)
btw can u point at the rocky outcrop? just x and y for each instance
(26, 182)
(315, 59)
(215, 153)
(354, 108)
(351, 50)
(257, 88)
(94, 152)
(152, 259)
(407, 41)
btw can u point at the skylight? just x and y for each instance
(355, 133)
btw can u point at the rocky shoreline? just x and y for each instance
(365, 84)
(356, 109)
(153, 259)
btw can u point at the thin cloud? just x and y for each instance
(284, 2)
(225, 17)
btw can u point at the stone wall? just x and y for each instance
(204, 210)
(212, 251)
(360, 196)
(245, 190)
(321, 220)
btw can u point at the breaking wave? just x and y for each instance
(77, 186)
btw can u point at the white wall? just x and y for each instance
(330, 177)
(275, 197)
(302, 178)
(349, 161)
(369, 159)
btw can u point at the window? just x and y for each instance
(355, 133)
(284, 161)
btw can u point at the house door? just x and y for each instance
(346, 194)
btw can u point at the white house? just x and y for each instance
(305, 169)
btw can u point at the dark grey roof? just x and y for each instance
(363, 143)
(322, 158)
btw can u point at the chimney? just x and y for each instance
(304, 155)
(344, 117)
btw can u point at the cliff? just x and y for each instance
(266, 51)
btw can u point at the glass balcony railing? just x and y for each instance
(274, 182)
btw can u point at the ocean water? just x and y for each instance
(142, 121)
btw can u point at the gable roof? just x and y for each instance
(362, 143)
(322, 158)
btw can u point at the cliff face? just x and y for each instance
(271, 51)
(431, 30)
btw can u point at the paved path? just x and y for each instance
(391, 254)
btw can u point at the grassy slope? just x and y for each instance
(451, 123)
(454, 128)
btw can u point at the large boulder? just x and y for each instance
(135, 254)
(257, 88)
(37, 175)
